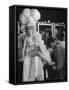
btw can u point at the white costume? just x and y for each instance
(33, 66)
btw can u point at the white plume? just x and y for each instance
(35, 14)
(26, 12)
(23, 19)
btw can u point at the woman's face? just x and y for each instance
(30, 32)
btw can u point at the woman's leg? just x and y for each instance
(26, 69)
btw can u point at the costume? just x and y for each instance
(32, 63)
(33, 66)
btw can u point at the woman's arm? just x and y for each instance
(44, 55)
(23, 51)
(24, 48)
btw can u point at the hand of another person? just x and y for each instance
(54, 67)
(50, 50)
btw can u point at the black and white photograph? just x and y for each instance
(40, 44)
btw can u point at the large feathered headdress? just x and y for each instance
(29, 16)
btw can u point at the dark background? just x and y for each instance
(56, 15)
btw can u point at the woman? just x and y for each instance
(34, 51)
(34, 55)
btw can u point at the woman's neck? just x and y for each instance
(30, 36)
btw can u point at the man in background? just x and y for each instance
(59, 58)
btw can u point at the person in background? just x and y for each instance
(59, 58)
(64, 35)
(62, 42)
(47, 36)
(48, 68)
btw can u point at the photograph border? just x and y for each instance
(16, 47)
